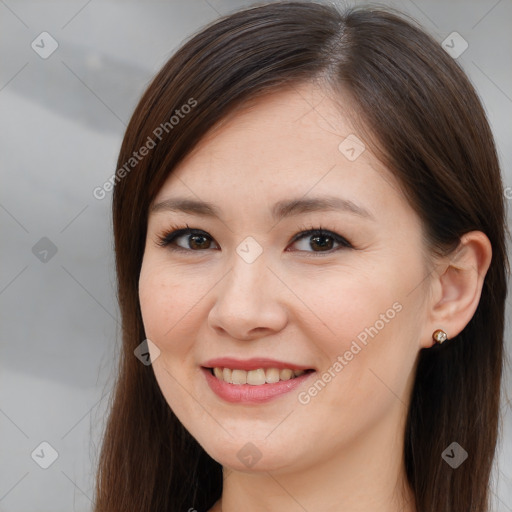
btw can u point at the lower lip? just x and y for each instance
(247, 393)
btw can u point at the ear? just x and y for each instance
(457, 286)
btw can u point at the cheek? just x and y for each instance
(366, 323)
(366, 376)
(345, 305)
(167, 301)
(167, 306)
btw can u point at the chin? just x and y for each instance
(253, 456)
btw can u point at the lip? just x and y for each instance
(247, 393)
(252, 364)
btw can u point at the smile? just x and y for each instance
(253, 386)
(255, 377)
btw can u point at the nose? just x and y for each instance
(249, 302)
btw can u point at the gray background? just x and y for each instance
(61, 124)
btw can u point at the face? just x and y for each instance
(308, 258)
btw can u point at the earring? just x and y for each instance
(439, 336)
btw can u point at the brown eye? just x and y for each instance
(187, 239)
(319, 240)
(198, 241)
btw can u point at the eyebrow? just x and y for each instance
(280, 210)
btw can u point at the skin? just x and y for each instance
(343, 449)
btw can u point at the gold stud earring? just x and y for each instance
(439, 336)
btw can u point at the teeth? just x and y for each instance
(239, 377)
(285, 374)
(271, 375)
(256, 377)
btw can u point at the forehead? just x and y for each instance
(288, 143)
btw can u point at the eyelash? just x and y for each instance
(173, 232)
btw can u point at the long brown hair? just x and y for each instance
(420, 114)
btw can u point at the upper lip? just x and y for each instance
(251, 364)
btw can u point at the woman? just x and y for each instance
(310, 247)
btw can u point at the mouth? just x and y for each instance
(257, 377)
(259, 385)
